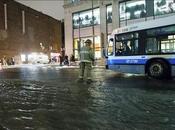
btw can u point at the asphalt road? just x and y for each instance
(49, 98)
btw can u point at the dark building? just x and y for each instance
(24, 31)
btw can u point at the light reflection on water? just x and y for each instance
(114, 103)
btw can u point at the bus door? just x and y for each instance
(109, 51)
(142, 41)
(110, 47)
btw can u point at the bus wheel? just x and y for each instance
(158, 69)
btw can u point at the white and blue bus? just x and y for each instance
(144, 48)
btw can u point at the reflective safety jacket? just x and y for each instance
(86, 54)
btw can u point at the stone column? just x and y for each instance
(68, 32)
(103, 26)
(115, 14)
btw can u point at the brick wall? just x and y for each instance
(39, 28)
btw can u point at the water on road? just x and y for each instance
(49, 98)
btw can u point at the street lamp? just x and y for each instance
(93, 28)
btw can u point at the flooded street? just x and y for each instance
(49, 98)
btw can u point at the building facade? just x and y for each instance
(24, 31)
(95, 19)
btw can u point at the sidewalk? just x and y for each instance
(45, 65)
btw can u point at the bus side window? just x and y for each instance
(151, 46)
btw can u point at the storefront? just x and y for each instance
(97, 46)
(85, 25)
(107, 16)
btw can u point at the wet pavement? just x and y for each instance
(49, 98)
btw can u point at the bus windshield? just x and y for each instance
(126, 44)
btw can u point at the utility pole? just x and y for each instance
(79, 41)
(93, 38)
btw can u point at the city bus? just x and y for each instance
(143, 48)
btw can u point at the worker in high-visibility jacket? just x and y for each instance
(86, 59)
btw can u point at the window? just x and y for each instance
(122, 11)
(73, 1)
(127, 36)
(84, 39)
(128, 47)
(164, 6)
(152, 46)
(75, 20)
(136, 9)
(168, 44)
(161, 31)
(132, 10)
(109, 14)
(96, 16)
(97, 46)
(127, 44)
(165, 44)
(161, 40)
(76, 47)
(85, 18)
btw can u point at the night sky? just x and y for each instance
(53, 8)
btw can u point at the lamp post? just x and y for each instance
(93, 31)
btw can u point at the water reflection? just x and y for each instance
(112, 101)
(35, 105)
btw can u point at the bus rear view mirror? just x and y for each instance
(111, 39)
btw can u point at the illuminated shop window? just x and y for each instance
(76, 54)
(97, 46)
(122, 11)
(132, 10)
(137, 9)
(85, 18)
(75, 20)
(96, 16)
(164, 6)
(84, 39)
(76, 47)
(74, 1)
(76, 42)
